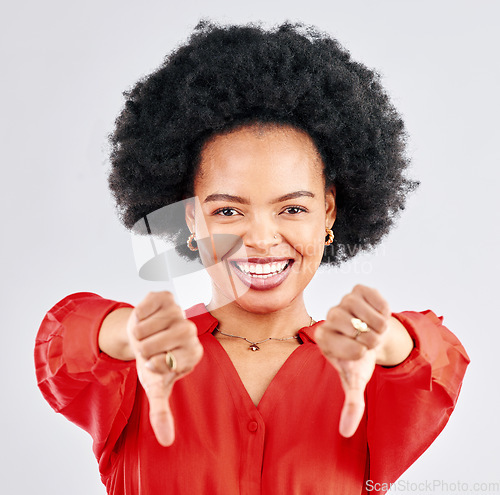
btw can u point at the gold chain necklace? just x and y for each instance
(254, 345)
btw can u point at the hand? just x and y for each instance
(354, 357)
(157, 325)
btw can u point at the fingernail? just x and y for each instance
(149, 365)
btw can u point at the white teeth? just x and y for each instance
(260, 270)
(266, 269)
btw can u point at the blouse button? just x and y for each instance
(253, 425)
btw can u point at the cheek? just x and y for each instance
(215, 247)
(308, 240)
(227, 283)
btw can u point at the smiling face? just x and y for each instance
(265, 186)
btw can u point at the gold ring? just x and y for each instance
(171, 361)
(360, 326)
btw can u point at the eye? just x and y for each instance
(225, 212)
(295, 210)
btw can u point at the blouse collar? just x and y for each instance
(206, 322)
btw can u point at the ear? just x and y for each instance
(330, 205)
(189, 216)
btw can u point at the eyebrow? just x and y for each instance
(244, 201)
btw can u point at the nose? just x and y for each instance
(261, 234)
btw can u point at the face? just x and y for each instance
(264, 187)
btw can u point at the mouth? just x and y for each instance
(262, 273)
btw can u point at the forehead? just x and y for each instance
(260, 154)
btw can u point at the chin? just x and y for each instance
(261, 305)
(265, 302)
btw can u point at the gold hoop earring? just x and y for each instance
(329, 233)
(190, 243)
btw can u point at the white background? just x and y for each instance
(64, 66)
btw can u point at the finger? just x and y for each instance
(352, 412)
(358, 307)
(339, 320)
(153, 302)
(179, 333)
(158, 364)
(160, 415)
(186, 358)
(374, 298)
(161, 320)
(335, 345)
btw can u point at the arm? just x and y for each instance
(90, 352)
(409, 405)
(87, 386)
(354, 352)
(358, 355)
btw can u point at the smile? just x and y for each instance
(262, 270)
(262, 276)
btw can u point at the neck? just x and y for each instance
(284, 322)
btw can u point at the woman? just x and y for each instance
(286, 154)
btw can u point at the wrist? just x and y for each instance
(113, 339)
(396, 346)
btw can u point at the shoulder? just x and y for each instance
(202, 318)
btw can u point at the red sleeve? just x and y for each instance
(87, 386)
(408, 405)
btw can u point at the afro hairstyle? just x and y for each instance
(226, 77)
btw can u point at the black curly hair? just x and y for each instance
(229, 76)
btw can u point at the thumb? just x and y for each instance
(352, 411)
(160, 415)
(354, 376)
(158, 387)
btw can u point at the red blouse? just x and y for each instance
(224, 444)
